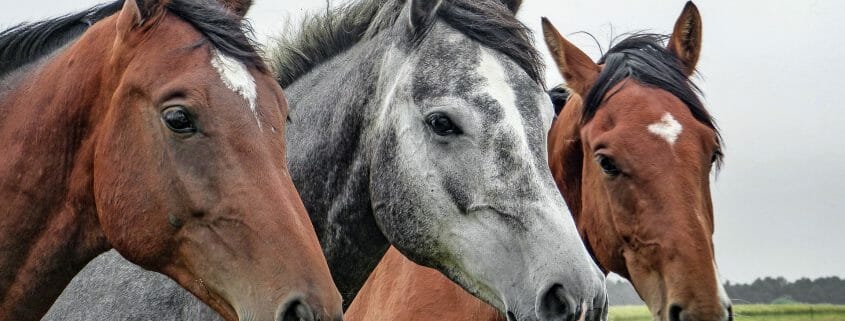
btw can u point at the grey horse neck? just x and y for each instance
(328, 156)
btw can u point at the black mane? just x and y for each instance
(494, 25)
(321, 37)
(645, 59)
(27, 42)
(227, 32)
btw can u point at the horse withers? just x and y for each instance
(634, 166)
(156, 131)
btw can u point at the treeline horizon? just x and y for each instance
(766, 290)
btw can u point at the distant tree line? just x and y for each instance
(779, 290)
(621, 292)
(766, 290)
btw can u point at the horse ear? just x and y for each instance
(129, 17)
(135, 12)
(559, 96)
(513, 5)
(579, 71)
(238, 7)
(422, 13)
(685, 42)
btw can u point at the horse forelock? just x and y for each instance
(323, 37)
(644, 59)
(227, 32)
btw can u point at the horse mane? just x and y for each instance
(644, 58)
(28, 42)
(323, 36)
(226, 31)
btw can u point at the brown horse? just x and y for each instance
(157, 132)
(632, 152)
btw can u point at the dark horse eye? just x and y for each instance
(178, 120)
(442, 125)
(608, 166)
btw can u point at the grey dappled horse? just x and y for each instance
(422, 124)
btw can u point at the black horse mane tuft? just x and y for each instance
(28, 42)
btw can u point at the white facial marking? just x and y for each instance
(236, 76)
(497, 86)
(667, 128)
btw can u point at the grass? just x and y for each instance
(750, 312)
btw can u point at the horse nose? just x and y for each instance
(676, 313)
(557, 305)
(730, 312)
(296, 311)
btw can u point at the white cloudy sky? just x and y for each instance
(771, 74)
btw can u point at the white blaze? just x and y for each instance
(497, 86)
(237, 77)
(667, 128)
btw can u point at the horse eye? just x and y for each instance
(442, 125)
(178, 120)
(608, 166)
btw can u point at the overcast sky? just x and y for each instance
(771, 73)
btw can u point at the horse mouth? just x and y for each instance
(594, 314)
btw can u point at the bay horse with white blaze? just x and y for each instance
(154, 128)
(632, 152)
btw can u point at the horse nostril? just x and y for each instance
(675, 312)
(297, 311)
(556, 305)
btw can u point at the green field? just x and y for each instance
(751, 312)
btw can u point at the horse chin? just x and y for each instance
(669, 300)
(199, 288)
(229, 304)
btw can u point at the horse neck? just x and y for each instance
(567, 163)
(328, 142)
(566, 156)
(48, 224)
